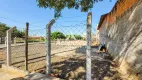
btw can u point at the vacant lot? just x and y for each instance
(36, 54)
(67, 61)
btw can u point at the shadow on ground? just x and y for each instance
(74, 68)
(19, 78)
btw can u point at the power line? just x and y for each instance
(63, 18)
(37, 29)
(12, 20)
(67, 21)
(19, 22)
(80, 24)
(74, 17)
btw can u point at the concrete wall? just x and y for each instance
(124, 40)
(103, 34)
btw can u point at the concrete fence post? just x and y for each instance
(8, 35)
(15, 41)
(48, 46)
(0, 39)
(88, 49)
(5, 41)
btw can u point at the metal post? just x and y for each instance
(48, 45)
(88, 50)
(9, 45)
(26, 46)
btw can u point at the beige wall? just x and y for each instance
(124, 40)
(103, 34)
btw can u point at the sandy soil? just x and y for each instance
(68, 62)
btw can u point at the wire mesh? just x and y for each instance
(68, 47)
(2, 49)
(36, 50)
(2, 54)
(17, 51)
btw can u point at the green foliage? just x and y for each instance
(17, 33)
(57, 35)
(59, 5)
(71, 37)
(43, 39)
(4, 28)
(36, 39)
(78, 37)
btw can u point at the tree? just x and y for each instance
(57, 35)
(78, 37)
(3, 29)
(15, 33)
(59, 5)
(71, 37)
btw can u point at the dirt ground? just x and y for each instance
(2, 56)
(36, 55)
(68, 62)
(73, 67)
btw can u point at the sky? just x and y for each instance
(18, 12)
